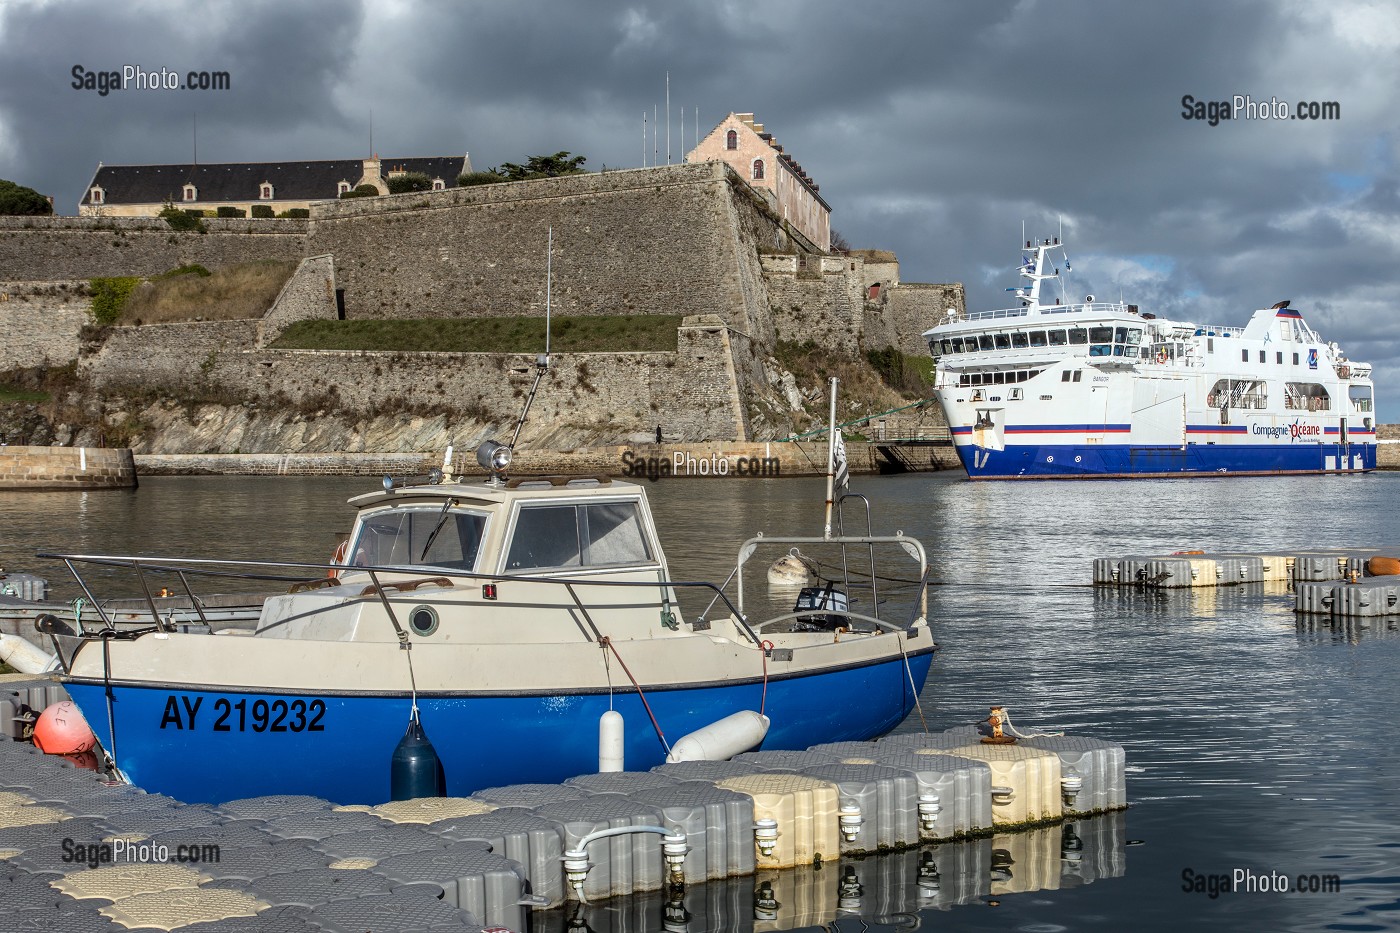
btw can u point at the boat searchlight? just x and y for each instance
(494, 458)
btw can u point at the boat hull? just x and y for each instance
(211, 745)
(1101, 461)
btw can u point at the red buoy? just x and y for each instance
(62, 730)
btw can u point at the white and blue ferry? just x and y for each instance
(1100, 389)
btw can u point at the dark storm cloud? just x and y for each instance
(934, 129)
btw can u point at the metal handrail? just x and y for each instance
(205, 567)
(911, 546)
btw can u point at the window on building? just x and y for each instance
(191, 193)
(731, 139)
(97, 195)
(757, 169)
(341, 187)
(438, 184)
(265, 191)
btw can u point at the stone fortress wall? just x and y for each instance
(692, 240)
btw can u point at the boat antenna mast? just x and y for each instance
(493, 456)
(541, 361)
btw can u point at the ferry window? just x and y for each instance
(1244, 356)
(1134, 335)
(1016, 394)
(1101, 334)
(1120, 335)
(1057, 338)
(420, 536)
(1101, 349)
(1064, 375)
(999, 378)
(957, 345)
(1078, 336)
(1077, 374)
(1261, 356)
(1280, 357)
(1037, 338)
(1295, 359)
(984, 341)
(1003, 341)
(1117, 349)
(1019, 340)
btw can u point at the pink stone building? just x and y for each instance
(744, 145)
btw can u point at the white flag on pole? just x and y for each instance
(843, 475)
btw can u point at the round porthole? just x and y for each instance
(423, 620)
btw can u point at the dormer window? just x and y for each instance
(191, 193)
(265, 191)
(438, 184)
(758, 169)
(97, 195)
(342, 187)
(731, 139)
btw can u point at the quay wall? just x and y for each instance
(637, 462)
(66, 468)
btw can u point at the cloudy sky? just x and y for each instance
(934, 128)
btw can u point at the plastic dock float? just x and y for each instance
(761, 821)
(1198, 569)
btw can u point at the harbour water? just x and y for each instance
(1254, 742)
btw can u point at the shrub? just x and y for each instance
(363, 191)
(109, 297)
(263, 211)
(409, 181)
(182, 220)
(467, 179)
(300, 213)
(19, 200)
(192, 268)
(227, 210)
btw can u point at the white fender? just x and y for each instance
(25, 657)
(610, 742)
(722, 739)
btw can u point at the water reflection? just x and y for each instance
(893, 890)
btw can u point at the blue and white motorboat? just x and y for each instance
(508, 615)
(1098, 389)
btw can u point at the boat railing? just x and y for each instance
(910, 546)
(382, 581)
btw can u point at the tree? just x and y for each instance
(838, 242)
(180, 219)
(361, 191)
(19, 200)
(543, 166)
(409, 181)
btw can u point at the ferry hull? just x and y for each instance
(483, 740)
(1101, 461)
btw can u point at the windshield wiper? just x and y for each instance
(442, 520)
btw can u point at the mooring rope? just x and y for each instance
(647, 706)
(909, 671)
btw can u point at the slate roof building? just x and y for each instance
(142, 190)
(745, 147)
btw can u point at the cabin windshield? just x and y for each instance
(420, 536)
(597, 534)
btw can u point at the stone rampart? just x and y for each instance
(308, 295)
(57, 248)
(66, 468)
(913, 308)
(40, 323)
(817, 298)
(666, 240)
(691, 391)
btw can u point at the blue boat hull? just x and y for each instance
(1090, 461)
(210, 746)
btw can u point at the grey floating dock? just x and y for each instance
(295, 862)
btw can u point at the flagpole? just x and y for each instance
(831, 461)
